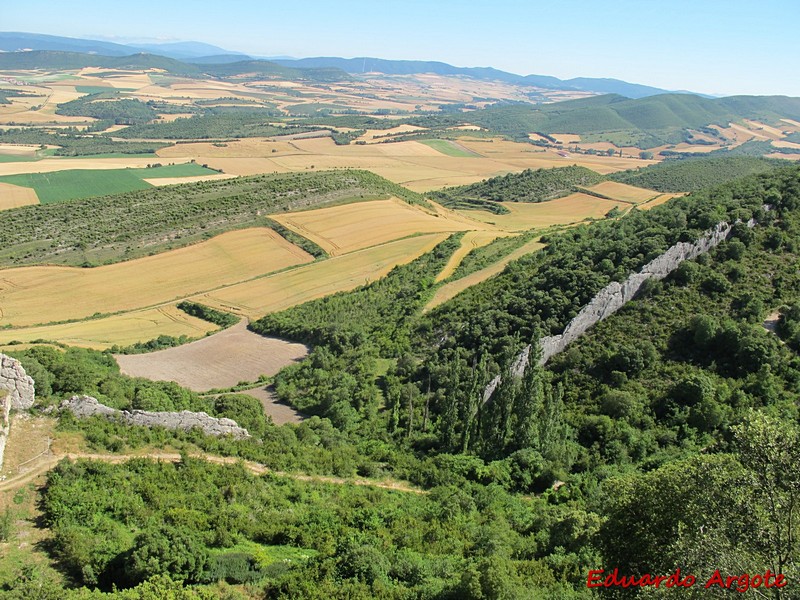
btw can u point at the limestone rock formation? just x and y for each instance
(613, 297)
(5, 408)
(86, 406)
(16, 382)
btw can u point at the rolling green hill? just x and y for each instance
(531, 185)
(125, 226)
(693, 174)
(65, 61)
(646, 122)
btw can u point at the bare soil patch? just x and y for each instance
(280, 413)
(221, 360)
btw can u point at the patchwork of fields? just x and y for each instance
(26, 293)
(343, 229)
(60, 185)
(255, 271)
(255, 298)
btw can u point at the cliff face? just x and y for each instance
(16, 391)
(16, 382)
(613, 297)
(86, 406)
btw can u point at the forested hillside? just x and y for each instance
(530, 185)
(678, 407)
(121, 227)
(692, 174)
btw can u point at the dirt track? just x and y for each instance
(48, 461)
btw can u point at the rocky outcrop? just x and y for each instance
(16, 392)
(5, 425)
(613, 297)
(86, 406)
(16, 382)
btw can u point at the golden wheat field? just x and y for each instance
(13, 196)
(657, 201)
(470, 241)
(341, 273)
(562, 211)
(349, 227)
(49, 165)
(123, 330)
(27, 293)
(623, 192)
(450, 290)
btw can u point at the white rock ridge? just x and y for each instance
(613, 297)
(86, 406)
(18, 384)
(16, 391)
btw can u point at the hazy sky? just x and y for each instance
(711, 46)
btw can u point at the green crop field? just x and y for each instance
(66, 185)
(99, 89)
(8, 158)
(87, 183)
(449, 148)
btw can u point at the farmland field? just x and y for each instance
(623, 192)
(413, 164)
(289, 288)
(343, 229)
(215, 362)
(122, 330)
(26, 293)
(453, 288)
(67, 185)
(658, 201)
(90, 163)
(562, 211)
(12, 196)
(449, 148)
(470, 241)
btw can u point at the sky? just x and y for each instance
(720, 47)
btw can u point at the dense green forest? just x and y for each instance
(665, 437)
(72, 143)
(692, 174)
(64, 61)
(644, 122)
(114, 228)
(110, 107)
(219, 123)
(531, 185)
(491, 253)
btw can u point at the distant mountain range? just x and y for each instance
(198, 53)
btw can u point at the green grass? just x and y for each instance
(67, 185)
(182, 170)
(99, 89)
(59, 186)
(10, 158)
(266, 555)
(448, 148)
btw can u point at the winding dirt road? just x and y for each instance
(49, 460)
